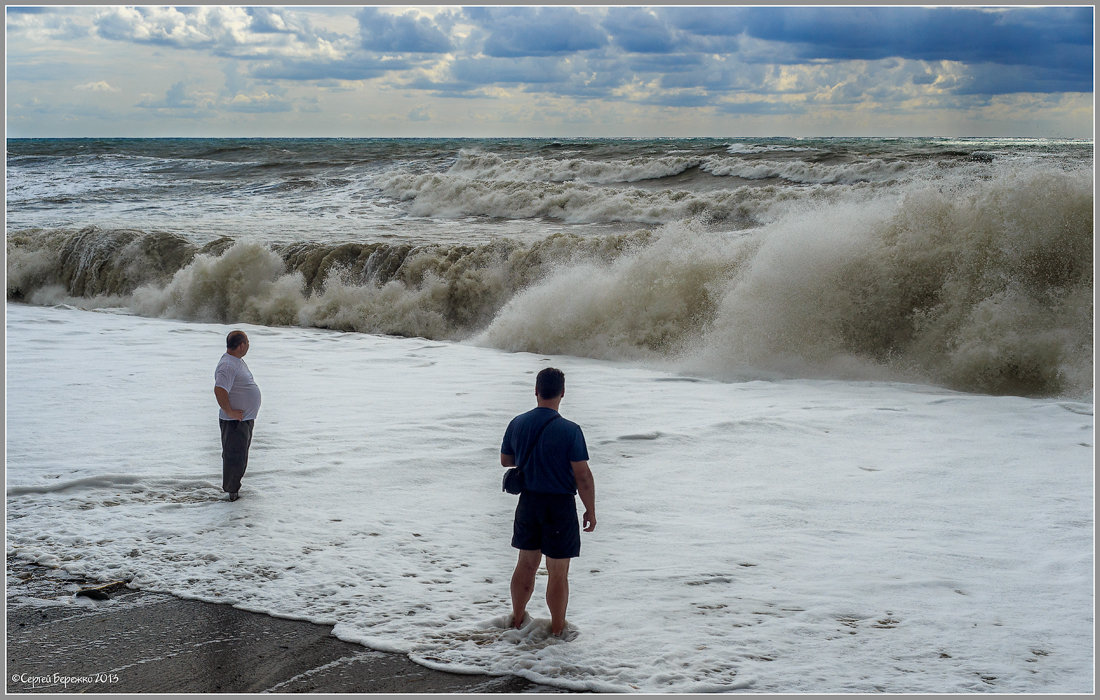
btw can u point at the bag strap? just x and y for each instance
(531, 448)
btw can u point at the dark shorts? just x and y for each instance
(236, 439)
(547, 522)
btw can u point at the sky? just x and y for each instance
(549, 70)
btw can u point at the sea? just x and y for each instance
(837, 392)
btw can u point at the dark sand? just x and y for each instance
(140, 642)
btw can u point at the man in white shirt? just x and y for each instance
(239, 400)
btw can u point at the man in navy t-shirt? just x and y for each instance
(546, 518)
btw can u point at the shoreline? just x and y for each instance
(140, 642)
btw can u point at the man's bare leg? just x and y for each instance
(557, 592)
(523, 582)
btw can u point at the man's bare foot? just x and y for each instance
(518, 623)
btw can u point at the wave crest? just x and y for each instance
(488, 166)
(985, 290)
(983, 287)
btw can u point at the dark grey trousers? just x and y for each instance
(236, 439)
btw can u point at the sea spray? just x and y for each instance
(982, 290)
(248, 283)
(648, 304)
(436, 291)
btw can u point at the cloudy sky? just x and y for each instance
(553, 70)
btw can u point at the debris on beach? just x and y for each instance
(101, 592)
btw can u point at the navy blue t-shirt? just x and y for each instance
(548, 470)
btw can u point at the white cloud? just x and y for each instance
(97, 86)
(158, 25)
(41, 25)
(262, 102)
(223, 30)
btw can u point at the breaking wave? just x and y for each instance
(803, 172)
(655, 190)
(489, 166)
(436, 291)
(829, 169)
(985, 287)
(447, 195)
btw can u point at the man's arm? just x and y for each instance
(223, 400)
(507, 460)
(586, 488)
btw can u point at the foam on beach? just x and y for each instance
(771, 536)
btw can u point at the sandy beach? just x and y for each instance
(141, 642)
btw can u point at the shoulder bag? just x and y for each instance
(513, 481)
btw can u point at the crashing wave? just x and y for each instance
(984, 287)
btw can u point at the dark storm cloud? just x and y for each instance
(1046, 37)
(670, 63)
(715, 48)
(536, 31)
(636, 30)
(400, 33)
(989, 79)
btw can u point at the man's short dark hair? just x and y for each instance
(550, 383)
(235, 339)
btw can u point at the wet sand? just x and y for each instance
(140, 642)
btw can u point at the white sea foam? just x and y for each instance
(493, 167)
(978, 290)
(981, 286)
(798, 171)
(448, 195)
(488, 166)
(737, 148)
(787, 536)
